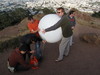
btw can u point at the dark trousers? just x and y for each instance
(38, 53)
(26, 57)
(20, 67)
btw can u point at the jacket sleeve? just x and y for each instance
(57, 25)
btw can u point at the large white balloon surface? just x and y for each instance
(46, 22)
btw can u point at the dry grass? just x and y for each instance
(86, 19)
(92, 24)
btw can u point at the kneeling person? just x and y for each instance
(16, 61)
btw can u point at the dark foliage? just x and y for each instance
(12, 17)
(12, 43)
(48, 11)
(96, 14)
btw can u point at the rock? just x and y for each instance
(90, 38)
(98, 40)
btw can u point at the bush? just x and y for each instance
(48, 11)
(12, 17)
(12, 43)
(96, 14)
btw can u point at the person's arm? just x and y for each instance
(57, 25)
(74, 23)
(34, 31)
(32, 51)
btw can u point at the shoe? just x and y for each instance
(58, 60)
(11, 70)
(66, 55)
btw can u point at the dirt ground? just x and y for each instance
(83, 59)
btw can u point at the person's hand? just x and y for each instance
(35, 64)
(38, 29)
(44, 41)
(73, 27)
(32, 51)
(43, 31)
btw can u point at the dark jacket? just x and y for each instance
(72, 20)
(28, 38)
(65, 24)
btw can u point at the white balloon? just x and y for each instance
(46, 22)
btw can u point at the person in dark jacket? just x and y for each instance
(65, 24)
(73, 23)
(27, 40)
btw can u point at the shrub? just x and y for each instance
(96, 14)
(47, 11)
(12, 17)
(12, 43)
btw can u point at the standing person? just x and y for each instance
(65, 24)
(73, 23)
(33, 27)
